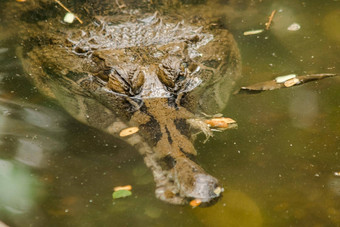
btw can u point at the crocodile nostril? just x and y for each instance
(168, 162)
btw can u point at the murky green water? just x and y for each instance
(279, 168)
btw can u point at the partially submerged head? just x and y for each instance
(187, 181)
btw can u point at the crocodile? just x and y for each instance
(134, 67)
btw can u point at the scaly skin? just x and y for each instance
(153, 72)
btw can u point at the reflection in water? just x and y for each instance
(19, 189)
(30, 131)
(234, 209)
(334, 185)
(28, 136)
(303, 108)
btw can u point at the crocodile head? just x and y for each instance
(167, 72)
(152, 73)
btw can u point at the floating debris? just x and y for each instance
(221, 123)
(337, 174)
(128, 131)
(282, 79)
(121, 194)
(65, 8)
(270, 19)
(218, 191)
(122, 191)
(69, 18)
(126, 187)
(21, 0)
(195, 203)
(291, 82)
(253, 32)
(294, 27)
(284, 82)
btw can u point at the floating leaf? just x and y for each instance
(283, 82)
(121, 194)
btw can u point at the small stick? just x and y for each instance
(270, 19)
(65, 8)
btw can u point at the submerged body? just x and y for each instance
(130, 70)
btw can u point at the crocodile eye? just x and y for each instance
(136, 80)
(174, 80)
(166, 76)
(116, 83)
(126, 82)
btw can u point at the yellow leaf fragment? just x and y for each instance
(126, 187)
(218, 191)
(128, 131)
(195, 203)
(220, 122)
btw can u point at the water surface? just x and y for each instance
(280, 168)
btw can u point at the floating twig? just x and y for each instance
(270, 20)
(65, 8)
